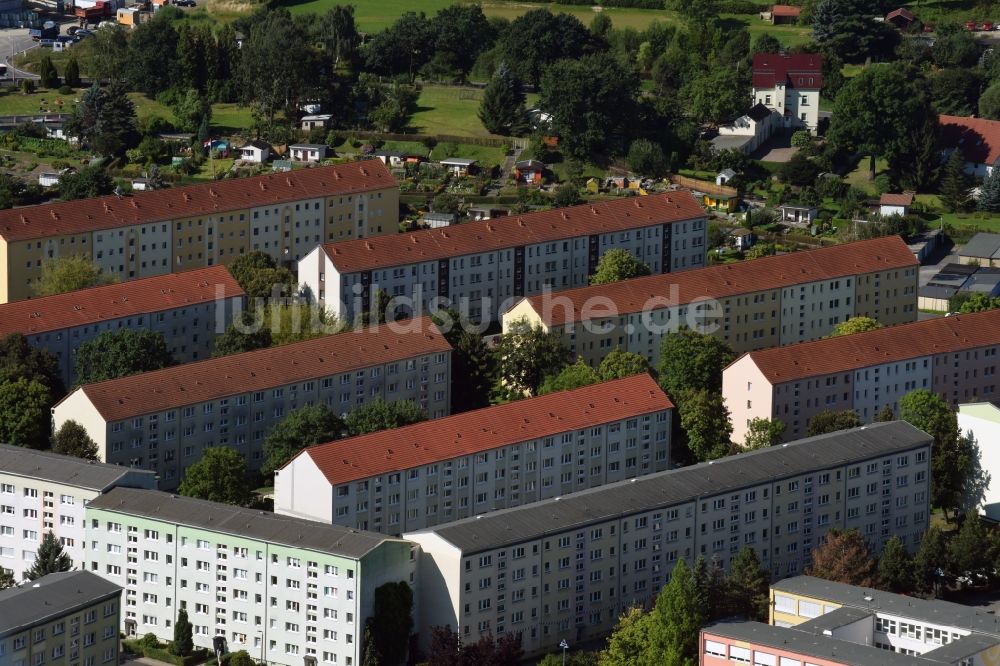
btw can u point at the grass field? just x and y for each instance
(374, 15)
(451, 110)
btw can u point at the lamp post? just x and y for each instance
(565, 646)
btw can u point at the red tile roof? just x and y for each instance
(114, 301)
(77, 217)
(727, 280)
(505, 232)
(489, 428)
(215, 378)
(886, 345)
(902, 13)
(904, 199)
(977, 138)
(786, 10)
(793, 70)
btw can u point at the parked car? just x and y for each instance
(46, 43)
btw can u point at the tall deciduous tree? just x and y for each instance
(843, 556)
(647, 158)
(629, 643)
(691, 360)
(572, 376)
(618, 364)
(895, 567)
(966, 551)
(69, 274)
(989, 102)
(930, 413)
(87, 183)
(502, 107)
(152, 61)
(220, 476)
(49, 558)
(392, 621)
(260, 276)
(762, 433)
(616, 265)
(748, 586)
(855, 325)
(24, 413)
(705, 421)
(591, 100)
(525, 355)
(242, 337)
(538, 38)
(472, 365)
(882, 113)
(831, 421)
(848, 29)
(114, 354)
(382, 414)
(304, 427)
(274, 66)
(460, 34)
(72, 440)
(678, 619)
(183, 643)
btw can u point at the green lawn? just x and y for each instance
(451, 110)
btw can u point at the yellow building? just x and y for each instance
(750, 305)
(721, 202)
(63, 618)
(164, 231)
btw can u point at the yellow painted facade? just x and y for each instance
(287, 232)
(789, 619)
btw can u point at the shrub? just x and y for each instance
(65, 90)
(148, 641)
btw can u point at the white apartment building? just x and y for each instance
(41, 491)
(954, 357)
(502, 456)
(483, 267)
(790, 85)
(177, 229)
(163, 420)
(931, 629)
(288, 591)
(567, 567)
(189, 309)
(750, 305)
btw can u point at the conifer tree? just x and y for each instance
(50, 558)
(47, 74)
(954, 187)
(183, 643)
(895, 567)
(989, 192)
(72, 74)
(502, 109)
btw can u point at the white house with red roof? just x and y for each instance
(977, 138)
(790, 85)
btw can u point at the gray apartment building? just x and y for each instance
(163, 420)
(428, 473)
(567, 567)
(484, 267)
(189, 309)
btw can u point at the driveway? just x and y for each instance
(776, 149)
(15, 41)
(927, 271)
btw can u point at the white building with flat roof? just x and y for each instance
(982, 421)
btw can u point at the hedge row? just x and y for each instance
(199, 656)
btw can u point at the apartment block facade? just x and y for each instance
(750, 305)
(483, 267)
(955, 357)
(70, 618)
(288, 591)
(167, 231)
(567, 567)
(189, 309)
(41, 492)
(502, 456)
(887, 624)
(163, 420)
(790, 85)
